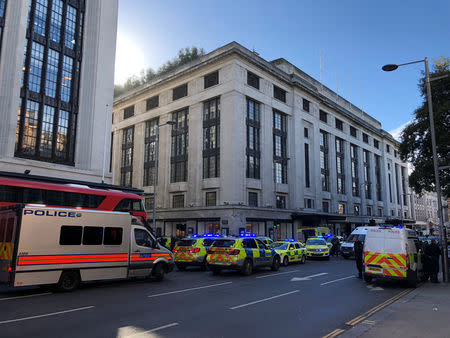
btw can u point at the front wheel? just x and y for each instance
(285, 261)
(367, 278)
(158, 273)
(247, 268)
(69, 281)
(275, 264)
(303, 261)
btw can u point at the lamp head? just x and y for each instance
(389, 68)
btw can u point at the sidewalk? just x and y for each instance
(424, 312)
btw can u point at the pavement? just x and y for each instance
(423, 312)
(310, 300)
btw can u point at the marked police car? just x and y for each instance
(317, 248)
(290, 251)
(192, 251)
(243, 254)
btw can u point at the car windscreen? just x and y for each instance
(280, 246)
(351, 238)
(187, 242)
(224, 243)
(208, 241)
(361, 238)
(316, 242)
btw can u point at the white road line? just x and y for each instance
(190, 289)
(46, 315)
(27, 296)
(152, 330)
(337, 280)
(263, 300)
(276, 274)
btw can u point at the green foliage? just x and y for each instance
(415, 144)
(185, 56)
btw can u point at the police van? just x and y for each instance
(41, 245)
(347, 249)
(392, 252)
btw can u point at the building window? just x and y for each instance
(307, 180)
(279, 93)
(365, 138)
(179, 151)
(211, 79)
(403, 169)
(40, 17)
(356, 209)
(324, 165)
(309, 203)
(178, 201)
(380, 211)
(390, 187)
(279, 147)
(388, 149)
(339, 124)
(306, 105)
(305, 132)
(341, 208)
(395, 153)
(323, 116)
(148, 201)
(56, 20)
(253, 199)
(211, 199)
(253, 151)
(340, 166)
(369, 210)
(150, 151)
(354, 169)
(353, 131)
(367, 180)
(326, 206)
(378, 177)
(51, 81)
(397, 184)
(211, 138)
(128, 112)
(376, 144)
(253, 80)
(179, 92)
(36, 65)
(126, 167)
(281, 201)
(152, 102)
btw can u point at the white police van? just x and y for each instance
(359, 233)
(41, 245)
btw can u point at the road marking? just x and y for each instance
(27, 296)
(334, 333)
(186, 290)
(276, 274)
(263, 300)
(337, 280)
(46, 315)
(377, 308)
(374, 288)
(369, 322)
(297, 279)
(144, 333)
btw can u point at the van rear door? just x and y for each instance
(8, 232)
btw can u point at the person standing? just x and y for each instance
(335, 247)
(359, 248)
(434, 252)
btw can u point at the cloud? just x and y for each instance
(398, 131)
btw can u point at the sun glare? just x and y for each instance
(129, 59)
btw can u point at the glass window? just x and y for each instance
(253, 80)
(253, 199)
(62, 135)
(249, 243)
(306, 105)
(113, 236)
(323, 116)
(281, 202)
(150, 151)
(56, 20)
(179, 145)
(92, 235)
(211, 79)
(211, 199)
(152, 102)
(143, 238)
(353, 131)
(71, 18)
(36, 61)
(29, 134)
(178, 201)
(128, 112)
(279, 93)
(339, 124)
(45, 147)
(2, 8)
(70, 235)
(127, 157)
(51, 79)
(66, 78)
(179, 92)
(211, 138)
(40, 17)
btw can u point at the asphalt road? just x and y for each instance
(195, 303)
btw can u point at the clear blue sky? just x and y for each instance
(356, 39)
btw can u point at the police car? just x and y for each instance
(243, 254)
(317, 247)
(192, 251)
(290, 251)
(266, 240)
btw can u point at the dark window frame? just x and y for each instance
(339, 124)
(150, 151)
(280, 201)
(127, 168)
(211, 79)
(252, 199)
(128, 112)
(340, 165)
(178, 201)
(211, 138)
(253, 80)
(354, 169)
(179, 92)
(152, 102)
(307, 174)
(279, 93)
(367, 178)
(325, 164)
(179, 146)
(253, 149)
(353, 132)
(306, 104)
(365, 138)
(280, 135)
(209, 199)
(323, 116)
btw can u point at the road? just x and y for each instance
(195, 303)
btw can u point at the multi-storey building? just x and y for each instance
(56, 87)
(256, 146)
(425, 212)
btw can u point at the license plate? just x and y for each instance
(377, 270)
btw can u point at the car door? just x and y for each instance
(142, 244)
(298, 248)
(265, 253)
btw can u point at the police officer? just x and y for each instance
(359, 247)
(434, 252)
(426, 259)
(335, 247)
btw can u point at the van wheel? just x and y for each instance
(69, 281)
(158, 272)
(275, 264)
(247, 267)
(285, 261)
(303, 261)
(367, 278)
(412, 281)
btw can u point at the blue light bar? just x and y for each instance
(217, 235)
(289, 240)
(319, 236)
(247, 234)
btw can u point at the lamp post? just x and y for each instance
(155, 174)
(442, 233)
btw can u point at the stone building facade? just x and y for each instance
(56, 87)
(257, 147)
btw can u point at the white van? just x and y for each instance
(392, 252)
(61, 246)
(347, 247)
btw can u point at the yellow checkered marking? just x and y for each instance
(6, 251)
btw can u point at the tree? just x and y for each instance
(415, 145)
(185, 56)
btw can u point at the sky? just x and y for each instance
(354, 39)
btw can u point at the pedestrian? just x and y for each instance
(359, 247)
(335, 247)
(434, 252)
(426, 260)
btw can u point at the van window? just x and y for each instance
(143, 238)
(113, 236)
(128, 204)
(70, 235)
(249, 243)
(92, 236)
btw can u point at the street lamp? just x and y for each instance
(155, 174)
(442, 233)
